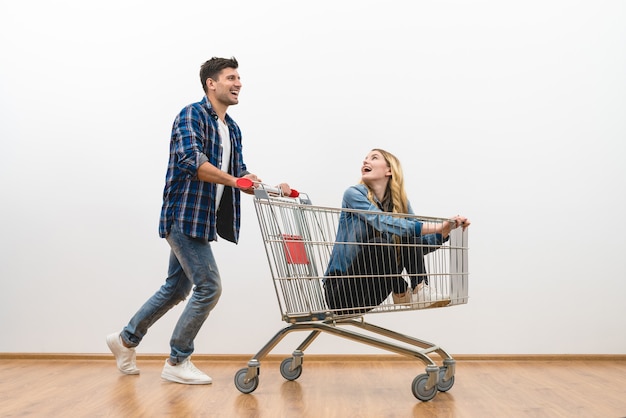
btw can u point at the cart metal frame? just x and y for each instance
(298, 239)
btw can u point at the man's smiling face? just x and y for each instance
(227, 86)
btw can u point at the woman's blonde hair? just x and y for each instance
(395, 187)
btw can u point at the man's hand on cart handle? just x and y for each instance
(282, 189)
(247, 184)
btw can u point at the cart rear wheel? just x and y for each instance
(288, 374)
(444, 386)
(419, 388)
(240, 383)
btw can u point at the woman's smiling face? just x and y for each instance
(374, 168)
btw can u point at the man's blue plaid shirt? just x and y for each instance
(187, 201)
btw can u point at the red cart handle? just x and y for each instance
(246, 183)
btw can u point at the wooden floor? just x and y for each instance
(364, 387)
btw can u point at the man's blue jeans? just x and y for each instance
(191, 264)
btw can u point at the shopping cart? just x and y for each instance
(299, 238)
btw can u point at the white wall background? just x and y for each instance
(512, 113)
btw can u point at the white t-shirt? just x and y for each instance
(225, 137)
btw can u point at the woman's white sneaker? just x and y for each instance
(425, 297)
(185, 373)
(402, 298)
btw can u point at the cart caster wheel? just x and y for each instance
(419, 390)
(288, 374)
(240, 383)
(444, 386)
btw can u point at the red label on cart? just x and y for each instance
(294, 249)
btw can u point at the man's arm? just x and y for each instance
(211, 174)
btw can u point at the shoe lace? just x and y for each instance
(192, 368)
(423, 293)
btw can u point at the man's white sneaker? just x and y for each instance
(185, 373)
(425, 297)
(125, 357)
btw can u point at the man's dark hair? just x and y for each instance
(213, 67)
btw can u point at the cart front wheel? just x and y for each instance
(444, 386)
(419, 388)
(240, 382)
(285, 369)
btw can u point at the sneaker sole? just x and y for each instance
(436, 304)
(439, 304)
(176, 379)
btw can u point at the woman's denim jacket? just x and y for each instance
(358, 227)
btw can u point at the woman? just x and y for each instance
(362, 276)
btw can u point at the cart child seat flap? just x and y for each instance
(294, 249)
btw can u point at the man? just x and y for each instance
(200, 202)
